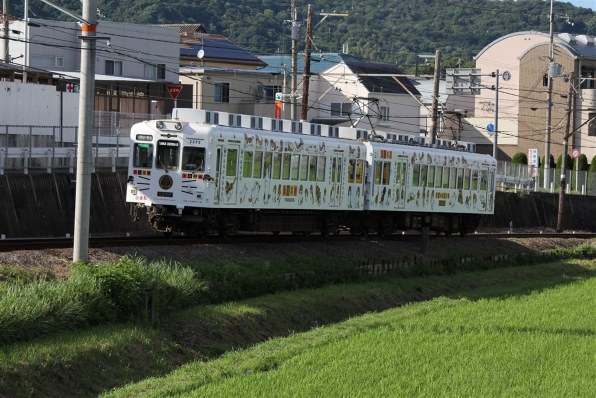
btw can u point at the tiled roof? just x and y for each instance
(216, 47)
(186, 28)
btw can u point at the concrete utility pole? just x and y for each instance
(435, 104)
(85, 133)
(294, 67)
(560, 214)
(495, 146)
(306, 79)
(5, 57)
(549, 102)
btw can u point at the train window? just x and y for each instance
(431, 176)
(338, 168)
(378, 172)
(460, 178)
(452, 177)
(231, 162)
(267, 165)
(295, 167)
(168, 153)
(285, 166)
(474, 180)
(303, 167)
(321, 169)
(193, 159)
(416, 175)
(386, 173)
(467, 179)
(423, 174)
(312, 169)
(483, 179)
(257, 169)
(247, 164)
(277, 165)
(351, 170)
(438, 176)
(359, 171)
(142, 155)
(445, 177)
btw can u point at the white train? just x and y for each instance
(212, 172)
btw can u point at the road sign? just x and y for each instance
(575, 153)
(174, 90)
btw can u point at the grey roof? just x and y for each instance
(216, 47)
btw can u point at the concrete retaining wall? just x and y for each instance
(42, 205)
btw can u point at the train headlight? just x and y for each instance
(178, 126)
(160, 125)
(133, 191)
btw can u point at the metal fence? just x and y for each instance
(25, 149)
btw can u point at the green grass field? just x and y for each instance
(537, 341)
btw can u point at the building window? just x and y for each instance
(384, 113)
(269, 92)
(155, 71)
(341, 108)
(592, 124)
(222, 92)
(114, 68)
(46, 61)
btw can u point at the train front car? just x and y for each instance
(170, 176)
(446, 190)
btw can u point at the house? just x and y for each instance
(522, 60)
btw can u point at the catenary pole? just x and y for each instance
(560, 214)
(85, 133)
(294, 67)
(549, 101)
(435, 104)
(5, 57)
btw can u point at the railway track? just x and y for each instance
(123, 241)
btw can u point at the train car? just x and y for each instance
(194, 175)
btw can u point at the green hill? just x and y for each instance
(391, 31)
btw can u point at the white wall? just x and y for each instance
(36, 104)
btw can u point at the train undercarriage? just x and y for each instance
(206, 221)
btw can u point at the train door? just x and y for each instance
(400, 182)
(336, 180)
(227, 172)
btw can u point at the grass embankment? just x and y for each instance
(86, 362)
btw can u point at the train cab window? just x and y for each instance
(474, 180)
(294, 167)
(378, 172)
(257, 169)
(285, 166)
(168, 153)
(142, 155)
(431, 176)
(416, 175)
(303, 167)
(321, 169)
(467, 179)
(276, 165)
(247, 164)
(231, 163)
(337, 168)
(193, 159)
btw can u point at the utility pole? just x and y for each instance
(495, 150)
(306, 79)
(549, 103)
(560, 214)
(435, 104)
(294, 67)
(85, 133)
(5, 57)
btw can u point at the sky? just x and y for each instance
(583, 3)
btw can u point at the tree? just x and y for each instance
(520, 158)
